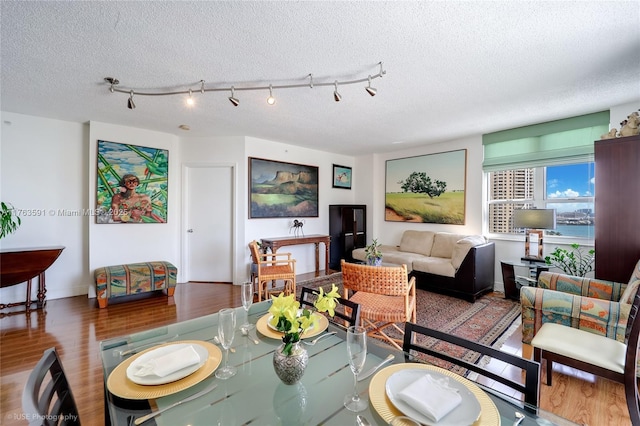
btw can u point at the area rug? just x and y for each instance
(490, 320)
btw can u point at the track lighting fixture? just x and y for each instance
(271, 100)
(114, 82)
(130, 103)
(233, 99)
(370, 90)
(336, 96)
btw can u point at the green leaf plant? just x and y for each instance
(575, 261)
(10, 221)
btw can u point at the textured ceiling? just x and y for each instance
(452, 68)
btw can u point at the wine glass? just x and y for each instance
(357, 351)
(226, 330)
(247, 301)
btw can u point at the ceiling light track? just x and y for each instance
(114, 82)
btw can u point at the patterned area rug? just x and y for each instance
(490, 320)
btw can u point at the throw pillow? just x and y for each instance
(443, 244)
(417, 242)
(463, 246)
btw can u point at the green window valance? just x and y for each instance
(555, 142)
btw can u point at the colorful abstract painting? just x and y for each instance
(132, 183)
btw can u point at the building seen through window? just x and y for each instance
(567, 188)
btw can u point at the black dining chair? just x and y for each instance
(531, 387)
(46, 397)
(347, 313)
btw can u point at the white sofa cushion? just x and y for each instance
(462, 247)
(417, 242)
(443, 243)
(435, 265)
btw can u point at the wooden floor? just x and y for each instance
(75, 326)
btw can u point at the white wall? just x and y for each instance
(229, 152)
(280, 227)
(391, 232)
(48, 166)
(113, 244)
(44, 173)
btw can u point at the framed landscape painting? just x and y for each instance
(279, 189)
(427, 188)
(341, 177)
(132, 184)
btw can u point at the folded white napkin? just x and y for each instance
(168, 363)
(432, 397)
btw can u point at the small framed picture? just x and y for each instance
(341, 177)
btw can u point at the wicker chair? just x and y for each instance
(386, 297)
(273, 267)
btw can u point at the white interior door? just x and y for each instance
(210, 223)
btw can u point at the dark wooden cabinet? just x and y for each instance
(348, 230)
(617, 207)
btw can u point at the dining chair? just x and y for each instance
(47, 398)
(595, 354)
(273, 267)
(386, 297)
(347, 313)
(531, 369)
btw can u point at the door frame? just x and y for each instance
(185, 214)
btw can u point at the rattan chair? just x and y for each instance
(273, 267)
(531, 369)
(46, 397)
(347, 313)
(386, 297)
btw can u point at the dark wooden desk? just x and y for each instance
(23, 265)
(275, 243)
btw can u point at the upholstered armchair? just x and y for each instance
(597, 306)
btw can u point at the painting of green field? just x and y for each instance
(411, 207)
(427, 188)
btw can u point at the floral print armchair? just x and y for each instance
(593, 305)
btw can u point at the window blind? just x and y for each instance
(556, 142)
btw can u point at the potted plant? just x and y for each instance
(574, 261)
(10, 221)
(373, 253)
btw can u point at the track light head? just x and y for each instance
(336, 96)
(130, 103)
(190, 98)
(271, 100)
(370, 90)
(235, 101)
(113, 82)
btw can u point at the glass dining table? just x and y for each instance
(255, 395)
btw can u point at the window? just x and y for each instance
(546, 166)
(567, 188)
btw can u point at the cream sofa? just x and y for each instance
(460, 265)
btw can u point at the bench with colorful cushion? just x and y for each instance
(134, 278)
